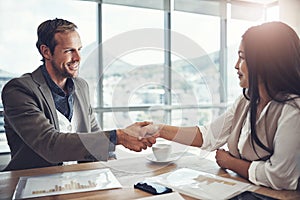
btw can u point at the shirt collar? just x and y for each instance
(55, 88)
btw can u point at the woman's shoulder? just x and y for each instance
(240, 101)
(293, 102)
(289, 106)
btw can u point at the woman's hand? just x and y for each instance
(226, 161)
(134, 136)
(137, 129)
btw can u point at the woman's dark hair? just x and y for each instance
(272, 53)
(46, 32)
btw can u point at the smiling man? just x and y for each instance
(48, 117)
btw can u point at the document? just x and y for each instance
(64, 183)
(200, 185)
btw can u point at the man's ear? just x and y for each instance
(45, 51)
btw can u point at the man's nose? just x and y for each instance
(76, 55)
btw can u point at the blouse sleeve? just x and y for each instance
(282, 170)
(216, 133)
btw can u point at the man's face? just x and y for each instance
(65, 59)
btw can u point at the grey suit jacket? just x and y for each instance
(31, 125)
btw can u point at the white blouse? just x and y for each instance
(284, 164)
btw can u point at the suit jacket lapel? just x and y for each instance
(81, 109)
(38, 77)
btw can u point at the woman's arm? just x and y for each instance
(209, 137)
(227, 161)
(193, 136)
(185, 135)
(281, 171)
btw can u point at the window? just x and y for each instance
(133, 65)
(195, 69)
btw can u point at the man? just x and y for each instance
(47, 113)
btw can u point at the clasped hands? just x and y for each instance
(138, 136)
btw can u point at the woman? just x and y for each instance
(262, 128)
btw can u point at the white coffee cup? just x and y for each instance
(162, 151)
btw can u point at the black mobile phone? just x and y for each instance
(248, 195)
(152, 188)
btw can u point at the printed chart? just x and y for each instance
(201, 185)
(64, 183)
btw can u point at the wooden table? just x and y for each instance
(128, 171)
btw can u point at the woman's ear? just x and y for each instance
(45, 52)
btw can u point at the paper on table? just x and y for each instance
(168, 196)
(64, 183)
(200, 184)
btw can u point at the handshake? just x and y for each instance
(138, 136)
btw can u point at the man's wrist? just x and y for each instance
(112, 140)
(119, 136)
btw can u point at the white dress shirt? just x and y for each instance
(282, 170)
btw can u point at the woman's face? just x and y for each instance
(242, 69)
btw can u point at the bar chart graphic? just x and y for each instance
(64, 183)
(73, 185)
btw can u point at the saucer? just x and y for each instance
(152, 158)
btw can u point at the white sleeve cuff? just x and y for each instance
(203, 130)
(252, 172)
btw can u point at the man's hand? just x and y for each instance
(143, 129)
(133, 137)
(137, 129)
